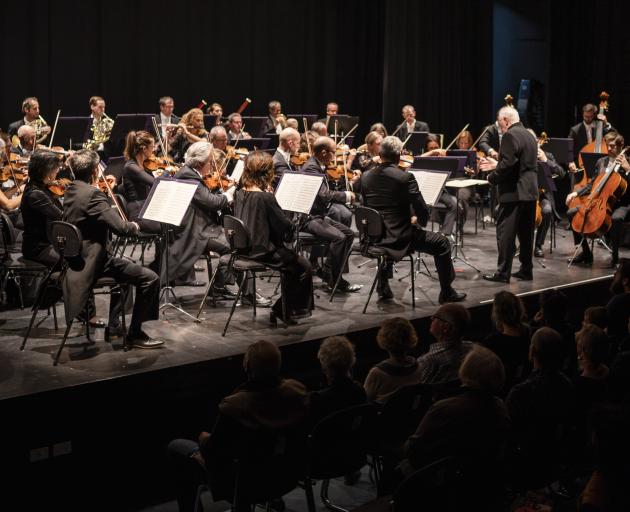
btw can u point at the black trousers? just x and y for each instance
(340, 238)
(147, 285)
(340, 213)
(547, 215)
(298, 281)
(515, 220)
(619, 216)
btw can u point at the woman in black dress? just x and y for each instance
(269, 229)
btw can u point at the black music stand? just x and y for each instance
(344, 124)
(72, 129)
(253, 143)
(124, 124)
(415, 142)
(210, 121)
(589, 160)
(469, 154)
(561, 149)
(254, 125)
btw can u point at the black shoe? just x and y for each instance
(144, 341)
(199, 268)
(346, 287)
(523, 276)
(274, 316)
(538, 253)
(222, 291)
(261, 302)
(385, 292)
(582, 258)
(451, 296)
(497, 278)
(189, 283)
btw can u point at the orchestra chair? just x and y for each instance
(239, 262)
(370, 226)
(144, 240)
(11, 269)
(338, 445)
(67, 241)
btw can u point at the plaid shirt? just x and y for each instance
(442, 362)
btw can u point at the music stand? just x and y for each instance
(254, 125)
(561, 149)
(167, 203)
(253, 143)
(210, 121)
(589, 160)
(124, 124)
(310, 119)
(469, 154)
(344, 124)
(73, 129)
(416, 142)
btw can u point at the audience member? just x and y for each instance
(596, 315)
(591, 384)
(511, 340)
(336, 357)
(264, 402)
(441, 363)
(618, 306)
(397, 336)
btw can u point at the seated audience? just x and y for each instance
(591, 384)
(596, 315)
(441, 363)
(398, 337)
(619, 305)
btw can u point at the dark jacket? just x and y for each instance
(395, 194)
(490, 139)
(136, 185)
(39, 209)
(516, 173)
(342, 393)
(325, 196)
(418, 126)
(280, 166)
(90, 211)
(580, 139)
(15, 126)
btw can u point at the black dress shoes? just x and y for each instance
(385, 292)
(582, 258)
(451, 296)
(538, 253)
(523, 276)
(497, 278)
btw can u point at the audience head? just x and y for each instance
(379, 128)
(592, 345)
(449, 323)
(258, 171)
(507, 310)
(262, 361)
(621, 279)
(84, 165)
(546, 350)
(482, 370)
(596, 315)
(43, 166)
(336, 357)
(553, 307)
(397, 336)
(391, 147)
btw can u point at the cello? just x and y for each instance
(596, 146)
(593, 217)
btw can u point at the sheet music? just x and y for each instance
(169, 200)
(430, 184)
(471, 182)
(297, 192)
(237, 172)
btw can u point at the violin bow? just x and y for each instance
(346, 135)
(399, 127)
(482, 134)
(52, 135)
(158, 134)
(457, 136)
(101, 166)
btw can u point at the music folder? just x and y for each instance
(296, 191)
(168, 200)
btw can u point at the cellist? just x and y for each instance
(583, 133)
(615, 143)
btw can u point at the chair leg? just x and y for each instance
(30, 326)
(54, 308)
(123, 321)
(378, 268)
(310, 498)
(326, 500)
(345, 262)
(208, 291)
(63, 342)
(413, 283)
(238, 296)
(253, 274)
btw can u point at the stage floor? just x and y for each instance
(31, 371)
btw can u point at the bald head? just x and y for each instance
(324, 149)
(26, 131)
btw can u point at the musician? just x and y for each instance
(515, 175)
(292, 123)
(215, 110)
(190, 129)
(621, 212)
(550, 170)
(307, 139)
(30, 108)
(490, 141)
(289, 144)
(584, 133)
(100, 122)
(199, 231)
(320, 129)
(410, 124)
(394, 193)
(89, 210)
(269, 228)
(275, 121)
(319, 224)
(465, 140)
(136, 182)
(379, 128)
(368, 154)
(332, 109)
(235, 128)
(25, 141)
(166, 120)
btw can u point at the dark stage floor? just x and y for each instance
(31, 371)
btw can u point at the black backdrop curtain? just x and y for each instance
(589, 50)
(434, 55)
(438, 57)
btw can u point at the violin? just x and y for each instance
(107, 183)
(160, 165)
(335, 172)
(299, 159)
(58, 187)
(214, 182)
(406, 161)
(234, 153)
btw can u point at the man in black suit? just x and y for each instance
(166, 120)
(490, 141)
(583, 133)
(320, 224)
(89, 210)
(276, 121)
(515, 175)
(410, 124)
(30, 108)
(395, 194)
(289, 144)
(332, 109)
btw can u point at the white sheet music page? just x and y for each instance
(297, 192)
(470, 182)
(169, 201)
(237, 172)
(430, 184)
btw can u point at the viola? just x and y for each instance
(160, 165)
(335, 172)
(299, 159)
(234, 153)
(58, 187)
(106, 184)
(405, 162)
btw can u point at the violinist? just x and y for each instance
(621, 212)
(368, 157)
(276, 120)
(26, 141)
(550, 170)
(320, 129)
(32, 117)
(235, 128)
(379, 128)
(136, 181)
(189, 130)
(410, 124)
(465, 140)
(321, 225)
(166, 120)
(289, 144)
(307, 139)
(219, 140)
(292, 123)
(584, 133)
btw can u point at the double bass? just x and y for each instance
(599, 144)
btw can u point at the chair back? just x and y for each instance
(122, 202)
(236, 234)
(8, 231)
(340, 442)
(66, 239)
(369, 223)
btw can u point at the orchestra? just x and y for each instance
(523, 174)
